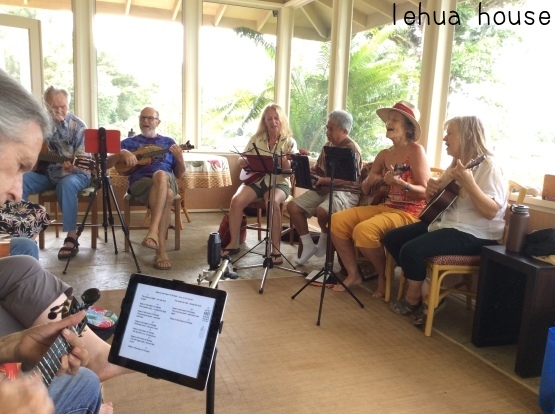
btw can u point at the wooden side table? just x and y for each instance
(515, 303)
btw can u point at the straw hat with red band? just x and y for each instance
(408, 110)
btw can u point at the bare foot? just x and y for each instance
(106, 408)
(380, 290)
(378, 294)
(349, 282)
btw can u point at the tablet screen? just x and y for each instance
(168, 329)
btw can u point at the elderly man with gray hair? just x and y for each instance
(66, 139)
(316, 202)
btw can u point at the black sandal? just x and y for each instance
(402, 307)
(276, 256)
(72, 250)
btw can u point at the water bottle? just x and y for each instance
(518, 227)
(214, 250)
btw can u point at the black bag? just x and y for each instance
(540, 243)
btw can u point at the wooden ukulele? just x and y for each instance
(381, 189)
(51, 361)
(46, 158)
(446, 196)
(144, 157)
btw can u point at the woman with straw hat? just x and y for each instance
(401, 173)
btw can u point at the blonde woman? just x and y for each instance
(474, 220)
(273, 136)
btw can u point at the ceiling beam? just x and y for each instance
(381, 6)
(313, 17)
(295, 4)
(219, 14)
(260, 4)
(377, 20)
(127, 7)
(264, 16)
(176, 7)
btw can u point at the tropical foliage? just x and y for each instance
(384, 68)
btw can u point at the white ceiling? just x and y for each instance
(312, 17)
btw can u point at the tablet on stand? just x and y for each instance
(168, 330)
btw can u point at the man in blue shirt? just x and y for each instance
(67, 140)
(154, 183)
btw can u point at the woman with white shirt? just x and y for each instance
(475, 219)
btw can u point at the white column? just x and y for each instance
(341, 30)
(192, 22)
(85, 95)
(434, 79)
(284, 36)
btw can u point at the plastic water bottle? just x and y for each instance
(518, 227)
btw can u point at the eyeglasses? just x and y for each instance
(147, 118)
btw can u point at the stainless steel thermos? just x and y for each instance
(518, 227)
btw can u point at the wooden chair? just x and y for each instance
(84, 197)
(261, 206)
(439, 267)
(122, 182)
(183, 206)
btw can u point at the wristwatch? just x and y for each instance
(407, 188)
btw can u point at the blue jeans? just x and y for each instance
(76, 394)
(66, 191)
(22, 246)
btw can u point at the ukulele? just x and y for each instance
(144, 157)
(51, 361)
(46, 158)
(380, 190)
(257, 164)
(446, 196)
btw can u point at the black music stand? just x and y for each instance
(341, 163)
(268, 264)
(105, 182)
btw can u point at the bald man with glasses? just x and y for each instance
(154, 184)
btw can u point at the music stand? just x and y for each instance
(101, 142)
(341, 163)
(268, 264)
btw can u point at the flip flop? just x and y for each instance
(230, 252)
(150, 236)
(72, 250)
(158, 260)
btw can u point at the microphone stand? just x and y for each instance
(268, 264)
(105, 182)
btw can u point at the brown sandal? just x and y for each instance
(158, 260)
(151, 236)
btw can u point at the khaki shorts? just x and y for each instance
(140, 190)
(311, 200)
(261, 189)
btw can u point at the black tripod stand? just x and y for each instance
(105, 182)
(268, 263)
(346, 171)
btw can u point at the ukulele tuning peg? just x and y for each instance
(90, 296)
(56, 310)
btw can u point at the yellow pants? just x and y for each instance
(367, 225)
